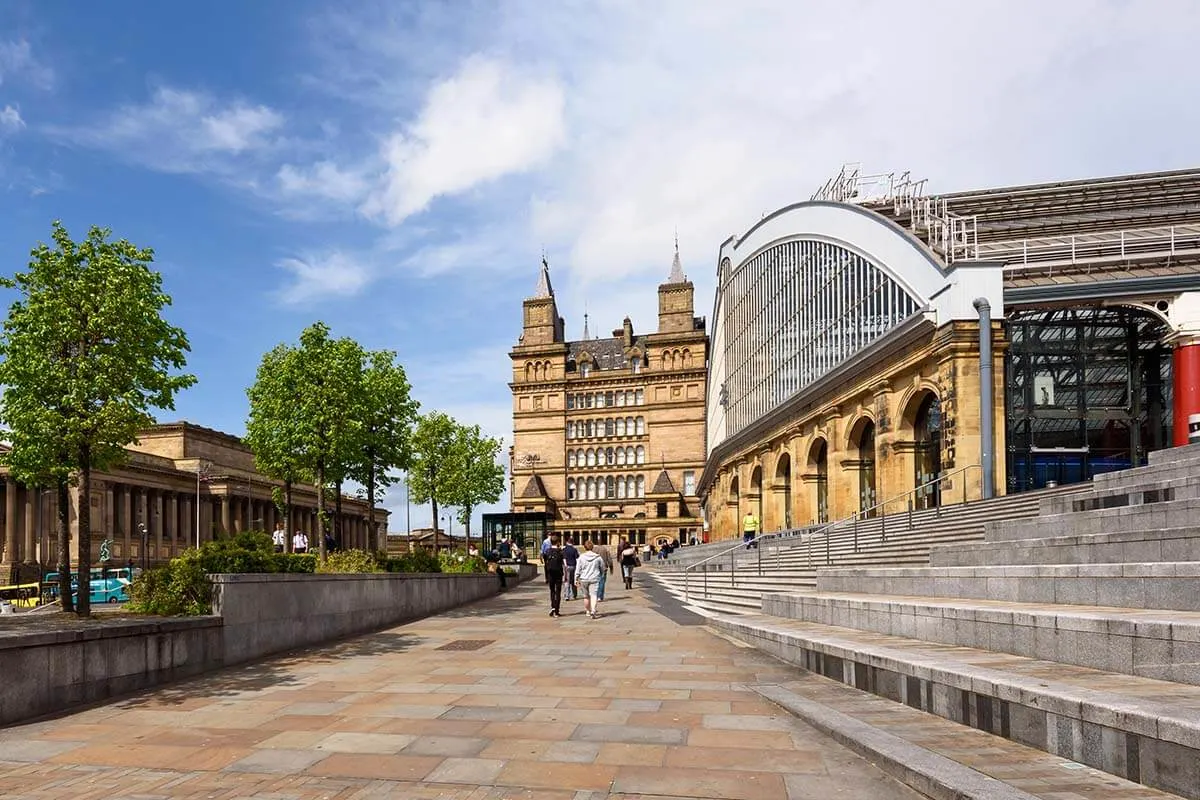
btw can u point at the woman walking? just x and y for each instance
(627, 555)
(588, 570)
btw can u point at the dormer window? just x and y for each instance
(635, 364)
(585, 369)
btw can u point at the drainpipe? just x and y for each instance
(988, 400)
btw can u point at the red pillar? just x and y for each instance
(1187, 388)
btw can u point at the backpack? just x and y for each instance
(552, 560)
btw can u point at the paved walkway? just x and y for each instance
(632, 705)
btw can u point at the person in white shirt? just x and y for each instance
(588, 570)
(279, 538)
(299, 543)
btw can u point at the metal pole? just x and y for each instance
(198, 466)
(883, 524)
(987, 398)
(856, 533)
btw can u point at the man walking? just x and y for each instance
(279, 538)
(552, 565)
(570, 558)
(750, 530)
(299, 543)
(606, 569)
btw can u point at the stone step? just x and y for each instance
(1141, 729)
(939, 757)
(1166, 544)
(1167, 514)
(1129, 493)
(1159, 585)
(1152, 644)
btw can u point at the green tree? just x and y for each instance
(389, 415)
(431, 466)
(478, 478)
(86, 354)
(330, 398)
(274, 428)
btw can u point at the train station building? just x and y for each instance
(848, 374)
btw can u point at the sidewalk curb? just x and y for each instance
(927, 772)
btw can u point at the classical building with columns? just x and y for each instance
(878, 348)
(185, 484)
(608, 431)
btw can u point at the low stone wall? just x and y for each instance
(265, 614)
(49, 671)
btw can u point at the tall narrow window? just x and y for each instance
(641, 397)
(610, 487)
(689, 482)
(635, 364)
(641, 455)
(609, 427)
(641, 425)
(620, 455)
(570, 488)
(641, 485)
(620, 426)
(609, 457)
(570, 458)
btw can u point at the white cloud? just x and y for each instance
(10, 120)
(18, 64)
(325, 180)
(487, 121)
(183, 131)
(333, 274)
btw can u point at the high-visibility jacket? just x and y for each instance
(750, 523)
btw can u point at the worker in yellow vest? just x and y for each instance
(749, 530)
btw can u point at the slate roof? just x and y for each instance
(663, 485)
(535, 488)
(606, 353)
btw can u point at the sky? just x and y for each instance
(398, 169)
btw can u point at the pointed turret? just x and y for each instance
(675, 299)
(586, 334)
(544, 287)
(676, 275)
(542, 324)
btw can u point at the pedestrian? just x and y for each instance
(590, 568)
(505, 549)
(493, 565)
(279, 538)
(570, 558)
(628, 556)
(750, 530)
(606, 555)
(552, 565)
(299, 543)
(330, 543)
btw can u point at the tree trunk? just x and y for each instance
(321, 512)
(64, 546)
(376, 546)
(287, 515)
(84, 605)
(337, 519)
(467, 517)
(433, 502)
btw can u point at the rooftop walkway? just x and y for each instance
(496, 701)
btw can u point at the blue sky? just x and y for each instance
(397, 169)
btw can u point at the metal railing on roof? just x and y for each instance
(1089, 247)
(806, 536)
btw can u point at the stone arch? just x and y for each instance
(860, 442)
(755, 495)
(528, 371)
(782, 489)
(921, 432)
(687, 358)
(817, 476)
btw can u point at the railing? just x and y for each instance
(1088, 247)
(806, 536)
(851, 186)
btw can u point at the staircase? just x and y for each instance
(735, 581)
(1076, 631)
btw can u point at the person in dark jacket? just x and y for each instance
(553, 565)
(570, 558)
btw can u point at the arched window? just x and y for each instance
(620, 398)
(570, 488)
(640, 397)
(620, 426)
(585, 369)
(641, 485)
(666, 361)
(570, 458)
(629, 455)
(600, 489)
(629, 426)
(570, 430)
(630, 486)
(608, 456)
(620, 488)
(635, 364)
(591, 488)
(589, 428)
(641, 454)
(641, 425)
(620, 455)
(609, 427)
(528, 371)
(687, 358)
(610, 489)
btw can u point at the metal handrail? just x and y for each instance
(807, 535)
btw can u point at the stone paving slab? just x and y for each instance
(631, 705)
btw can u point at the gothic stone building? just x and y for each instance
(608, 433)
(157, 487)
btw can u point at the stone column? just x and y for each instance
(127, 521)
(10, 522)
(159, 521)
(226, 523)
(172, 527)
(29, 551)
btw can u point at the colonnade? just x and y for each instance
(171, 518)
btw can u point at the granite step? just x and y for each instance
(1165, 544)
(1148, 516)
(1144, 730)
(1159, 585)
(1152, 644)
(940, 758)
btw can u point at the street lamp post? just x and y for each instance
(145, 537)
